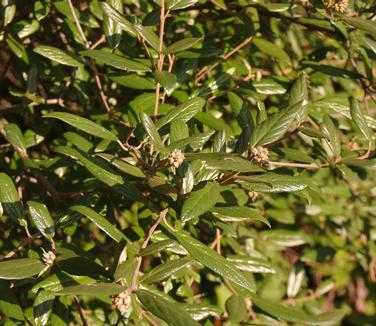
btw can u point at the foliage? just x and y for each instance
(187, 162)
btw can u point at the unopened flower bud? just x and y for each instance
(122, 302)
(176, 158)
(260, 155)
(253, 195)
(48, 257)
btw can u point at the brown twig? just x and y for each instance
(81, 311)
(24, 243)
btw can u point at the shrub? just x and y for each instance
(187, 162)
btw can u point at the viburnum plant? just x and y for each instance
(183, 162)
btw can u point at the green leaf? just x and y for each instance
(152, 132)
(274, 127)
(330, 131)
(117, 17)
(273, 182)
(15, 136)
(183, 112)
(98, 289)
(224, 161)
(42, 219)
(164, 271)
(214, 261)
(147, 33)
(10, 200)
(238, 214)
(61, 56)
(9, 306)
(111, 29)
(166, 310)
(167, 79)
(299, 95)
(285, 238)
(200, 311)
(271, 50)
(251, 264)
(368, 25)
(181, 45)
(43, 304)
(180, 4)
(115, 60)
(236, 308)
(83, 124)
(359, 119)
(8, 11)
(122, 165)
(158, 247)
(295, 315)
(18, 269)
(200, 201)
(101, 222)
(269, 86)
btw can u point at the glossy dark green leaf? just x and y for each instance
(366, 25)
(42, 219)
(271, 50)
(331, 132)
(252, 264)
(96, 167)
(83, 124)
(236, 308)
(61, 56)
(18, 269)
(180, 4)
(200, 201)
(299, 94)
(269, 86)
(158, 247)
(43, 304)
(147, 33)
(111, 29)
(115, 60)
(274, 127)
(168, 311)
(122, 165)
(164, 271)
(98, 289)
(224, 161)
(167, 79)
(117, 17)
(10, 199)
(182, 45)
(101, 222)
(15, 136)
(359, 119)
(9, 305)
(214, 261)
(152, 131)
(238, 214)
(200, 311)
(183, 112)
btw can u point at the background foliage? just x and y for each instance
(187, 162)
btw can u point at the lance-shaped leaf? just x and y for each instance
(252, 264)
(359, 119)
(101, 222)
(271, 50)
(95, 166)
(42, 219)
(167, 79)
(236, 308)
(367, 25)
(180, 4)
(183, 44)
(9, 305)
(117, 17)
(164, 271)
(214, 261)
(164, 309)
(274, 127)
(200, 201)
(299, 94)
(18, 269)
(61, 56)
(83, 124)
(184, 112)
(10, 200)
(331, 132)
(147, 33)
(152, 132)
(43, 304)
(115, 60)
(112, 30)
(98, 289)
(15, 136)
(238, 214)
